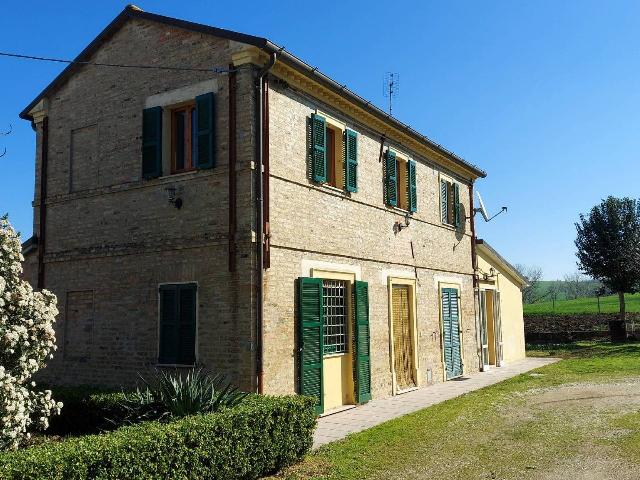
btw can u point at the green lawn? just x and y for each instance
(585, 305)
(524, 428)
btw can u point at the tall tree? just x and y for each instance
(608, 244)
(533, 275)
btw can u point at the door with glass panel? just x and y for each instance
(337, 359)
(402, 337)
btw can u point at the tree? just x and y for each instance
(533, 275)
(553, 290)
(608, 244)
(27, 339)
(575, 285)
(2, 134)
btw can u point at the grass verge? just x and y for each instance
(489, 433)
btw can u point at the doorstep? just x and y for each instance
(333, 411)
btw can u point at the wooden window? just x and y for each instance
(403, 195)
(335, 314)
(178, 306)
(400, 182)
(450, 203)
(331, 156)
(183, 143)
(334, 154)
(335, 161)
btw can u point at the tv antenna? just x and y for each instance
(483, 211)
(391, 87)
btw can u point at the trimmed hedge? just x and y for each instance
(259, 437)
(86, 410)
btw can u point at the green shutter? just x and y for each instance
(177, 324)
(391, 179)
(319, 153)
(187, 326)
(362, 340)
(412, 190)
(311, 339)
(451, 333)
(169, 321)
(444, 200)
(152, 142)
(456, 205)
(351, 161)
(205, 128)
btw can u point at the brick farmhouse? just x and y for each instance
(235, 208)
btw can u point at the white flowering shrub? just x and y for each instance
(27, 339)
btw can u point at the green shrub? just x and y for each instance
(258, 437)
(176, 394)
(85, 410)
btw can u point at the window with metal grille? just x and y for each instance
(334, 310)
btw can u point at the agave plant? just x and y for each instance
(173, 394)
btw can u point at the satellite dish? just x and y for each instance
(482, 209)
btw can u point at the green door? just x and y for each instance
(451, 333)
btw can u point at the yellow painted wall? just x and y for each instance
(510, 307)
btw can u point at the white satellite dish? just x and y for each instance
(483, 210)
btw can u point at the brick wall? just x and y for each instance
(115, 236)
(315, 223)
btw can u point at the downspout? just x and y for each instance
(260, 126)
(232, 170)
(474, 260)
(474, 265)
(44, 154)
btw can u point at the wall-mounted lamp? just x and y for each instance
(491, 274)
(173, 200)
(407, 220)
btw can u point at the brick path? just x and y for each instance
(339, 425)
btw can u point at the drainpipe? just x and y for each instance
(261, 125)
(232, 170)
(474, 262)
(474, 265)
(44, 154)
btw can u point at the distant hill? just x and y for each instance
(608, 304)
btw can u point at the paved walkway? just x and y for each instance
(339, 425)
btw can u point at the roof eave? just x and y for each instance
(131, 11)
(307, 69)
(500, 259)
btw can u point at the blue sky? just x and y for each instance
(542, 95)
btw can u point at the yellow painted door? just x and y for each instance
(337, 363)
(402, 338)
